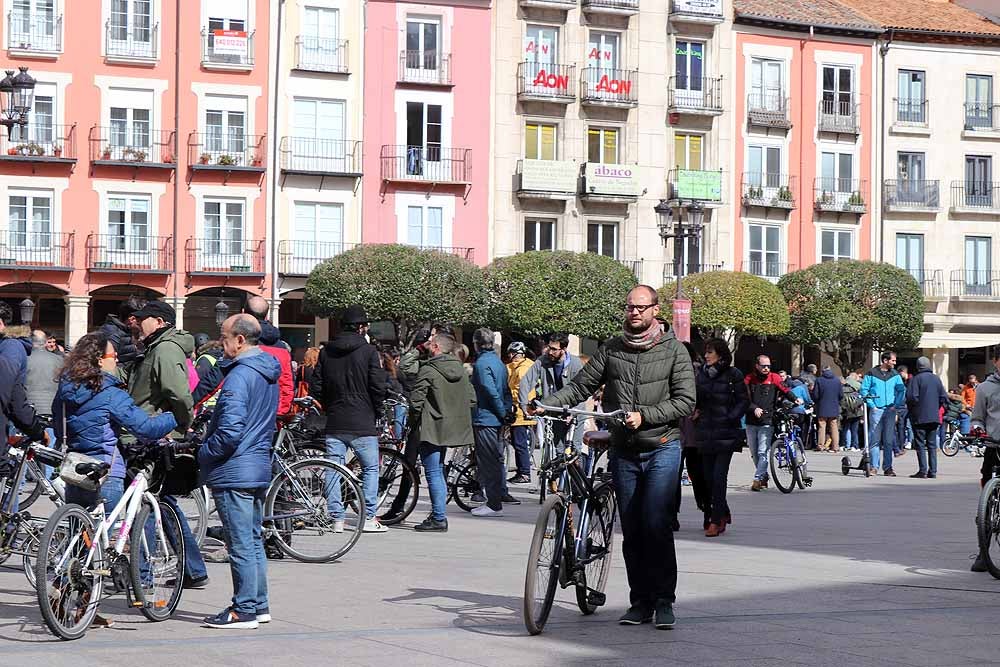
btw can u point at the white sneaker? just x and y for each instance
(338, 525)
(374, 526)
(908, 446)
(485, 511)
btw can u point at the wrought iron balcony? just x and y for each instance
(546, 82)
(768, 110)
(34, 34)
(131, 43)
(931, 282)
(982, 117)
(431, 164)
(299, 258)
(670, 269)
(124, 253)
(620, 7)
(227, 152)
(234, 257)
(695, 95)
(838, 116)
(44, 251)
(601, 86)
(766, 268)
(975, 197)
(237, 55)
(306, 155)
(840, 195)
(910, 112)
(468, 254)
(769, 190)
(911, 195)
(319, 54)
(142, 147)
(975, 284)
(564, 5)
(428, 68)
(633, 265)
(34, 143)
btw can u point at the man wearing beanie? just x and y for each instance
(925, 396)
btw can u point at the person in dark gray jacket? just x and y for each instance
(43, 369)
(925, 396)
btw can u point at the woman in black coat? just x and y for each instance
(722, 401)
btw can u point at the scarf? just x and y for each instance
(646, 339)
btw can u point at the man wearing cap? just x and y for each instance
(158, 383)
(350, 383)
(520, 430)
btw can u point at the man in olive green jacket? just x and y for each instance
(647, 373)
(441, 404)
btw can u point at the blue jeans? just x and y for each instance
(194, 563)
(110, 492)
(489, 464)
(433, 459)
(964, 423)
(881, 435)
(366, 449)
(903, 429)
(242, 513)
(646, 485)
(849, 433)
(521, 440)
(398, 421)
(759, 440)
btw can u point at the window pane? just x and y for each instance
(415, 225)
(845, 251)
(594, 238)
(530, 231)
(756, 237)
(593, 145)
(531, 141)
(548, 148)
(828, 245)
(610, 147)
(435, 227)
(694, 162)
(547, 235)
(772, 239)
(609, 248)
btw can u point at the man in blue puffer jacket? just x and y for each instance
(236, 465)
(493, 409)
(879, 390)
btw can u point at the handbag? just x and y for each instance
(68, 473)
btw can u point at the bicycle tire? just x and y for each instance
(30, 491)
(950, 445)
(68, 523)
(286, 493)
(154, 605)
(535, 610)
(466, 486)
(197, 517)
(802, 465)
(777, 466)
(602, 509)
(988, 525)
(392, 469)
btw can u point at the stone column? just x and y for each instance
(177, 303)
(77, 317)
(275, 310)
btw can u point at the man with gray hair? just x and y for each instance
(493, 410)
(43, 366)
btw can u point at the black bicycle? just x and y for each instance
(988, 511)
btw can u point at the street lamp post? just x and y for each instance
(17, 95)
(671, 226)
(221, 311)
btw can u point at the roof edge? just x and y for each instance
(800, 26)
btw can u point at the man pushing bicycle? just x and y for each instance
(986, 422)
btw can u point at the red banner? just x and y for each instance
(682, 320)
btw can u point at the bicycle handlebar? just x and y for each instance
(617, 415)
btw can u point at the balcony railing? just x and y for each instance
(931, 282)
(224, 51)
(34, 33)
(238, 257)
(910, 112)
(135, 43)
(468, 254)
(907, 194)
(765, 268)
(670, 269)
(306, 155)
(429, 68)
(768, 110)
(546, 81)
(21, 249)
(982, 116)
(299, 258)
(775, 190)
(633, 265)
(232, 152)
(700, 11)
(319, 54)
(840, 195)
(431, 164)
(39, 143)
(975, 283)
(140, 147)
(975, 195)
(549, 4)
(609, 87)
(123, 253)
(611, 6)
(838, 116)
(695, 94)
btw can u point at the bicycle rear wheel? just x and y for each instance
(783, 469)
(988, 526)
(544, 561)
(316, 510)
(951, 444)
(393, 469)
(196, 512)
(68, 595)
(801, 464)
(30, 490)
(601, 512)
(157, 566)
(467, 491)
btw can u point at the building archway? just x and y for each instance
(104, 301)
(50, 306)
(199, 308)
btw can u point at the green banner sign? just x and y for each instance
(703, 185)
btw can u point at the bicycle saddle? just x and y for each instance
(92, 470)
(597, 439)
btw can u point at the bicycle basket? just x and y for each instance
(180, 473)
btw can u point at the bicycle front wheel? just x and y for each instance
(600, 538)
(782, 466)
(951, 444)
(157, 564)
(195, 509)
(316, 510)
(394, 473)
(30, 490)
(69, 593)
(544, 562)
(801, 465)
(467, 491)
(988, 525)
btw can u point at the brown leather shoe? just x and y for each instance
(713, 530)
(756, 486)
(889, 473)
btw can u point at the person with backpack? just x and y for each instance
(851, 412)
(827, 392)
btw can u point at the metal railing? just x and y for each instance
(561, 4)
(126, 43)
(546, 80)
(468, 254)
(840, 194)
(975, 195)
(768, 109)
(224, 256)
(39, 143)
(299, 258)
(427, 67)
(614, 86)
(689, 93)
(118, 144)
(129, 253)
(320, 54)
(417, 163)
(670, 269)
(34, 33)
(912, 194)
(227, 150)
(210, 55)
(910, 112)
(633, 265)
(982, 116)
(765, 189)
(613, 5)
(319, 156)
(838, 116)
(766, 268)
(975, 283)
(931, 282)
(21, 249)
(710, 9)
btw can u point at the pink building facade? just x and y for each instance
(109, 191)
(427, 125)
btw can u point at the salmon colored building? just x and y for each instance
(428, 125)
(803, 140)
(141, 170)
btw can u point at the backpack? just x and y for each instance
(851, 404)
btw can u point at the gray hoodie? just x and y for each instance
(986, 411)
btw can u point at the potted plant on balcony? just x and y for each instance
(784, 195)
(106, 155)
(56, 150)
(257, 162)
(755, 192)
(227, 160)
(12, 150)
(855, 201)
(36, 149)
(168, 158)
(825, 198)
(204, 158)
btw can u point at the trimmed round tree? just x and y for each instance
(538, 292)
(402, 284)
(849, 308)
(731, 304)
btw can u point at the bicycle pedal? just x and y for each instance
(808, 481)
(596, 598)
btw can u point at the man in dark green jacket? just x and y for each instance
(648, 373)
(441, 405)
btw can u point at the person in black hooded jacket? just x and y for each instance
(119, 331)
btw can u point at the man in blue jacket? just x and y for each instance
(879, 390)
(494, 403)
(236, 466)
(925, 396)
